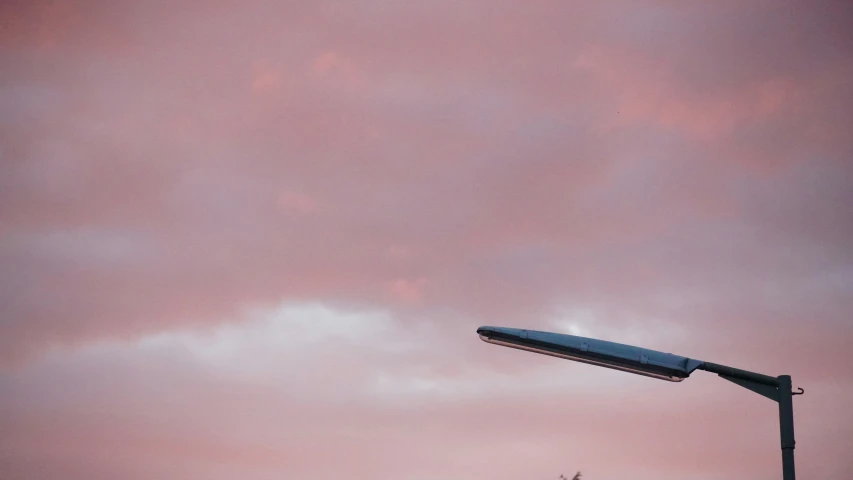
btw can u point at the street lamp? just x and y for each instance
(651, 363)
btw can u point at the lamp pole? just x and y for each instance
(786, 425)
(777, 389)
(651, 363)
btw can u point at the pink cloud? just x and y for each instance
(264, 78)
(656, 95)
(345, 70)
(408, 291)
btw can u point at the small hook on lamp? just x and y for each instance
(801, 391)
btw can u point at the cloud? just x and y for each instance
(407, 290)
(671, 175)
(314, 390)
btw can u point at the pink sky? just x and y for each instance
(254, 239)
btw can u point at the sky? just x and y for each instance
(255, 239)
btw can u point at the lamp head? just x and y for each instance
(641, 361)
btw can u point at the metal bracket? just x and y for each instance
(764, 390)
